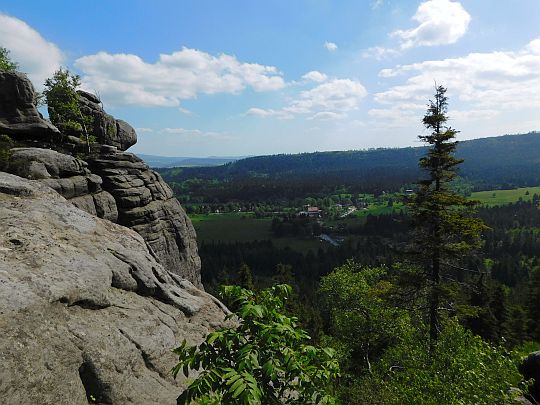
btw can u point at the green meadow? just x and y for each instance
(501, 197)
(244, 227)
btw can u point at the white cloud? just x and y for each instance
(261, 112)
(379, 53)
(488, 83)
(441, 22)
(127, 79)
(329, 100)
(36, 56)
(330, 46)
(315, 76)
(327, 115)
(185, 111)
(337, 95)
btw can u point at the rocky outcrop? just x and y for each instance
(147, 205)
(19, 116)
(106, 182)
(88, 313)
(106, 129)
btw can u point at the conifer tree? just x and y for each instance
(443, 225)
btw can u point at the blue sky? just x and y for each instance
(216, 78)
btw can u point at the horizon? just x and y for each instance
(310, 76)
(533, 132)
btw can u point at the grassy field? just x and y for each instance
(501, 197)
(242, 227)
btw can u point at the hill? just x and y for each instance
(179, 161)
(490, 163)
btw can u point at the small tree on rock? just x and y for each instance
(6, 64)
(63, 104)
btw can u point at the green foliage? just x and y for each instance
(63, 105)
(6, 143)
(6, 64)
(462, 369)
(264, 360)
(361, 319)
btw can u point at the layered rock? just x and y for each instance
(19, 116)
(88, 314)
(147, 205)
(67, 175)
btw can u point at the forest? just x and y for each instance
(501, 162)
(407, 325)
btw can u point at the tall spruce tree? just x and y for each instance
(444, 227)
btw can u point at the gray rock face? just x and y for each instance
(147, 205)
(86, 307)
(120, 187)
(107, 129)
(18, 114)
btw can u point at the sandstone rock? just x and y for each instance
(85, 307)
(147, 205)
(106, 128)
(23, 162)
(19, 116)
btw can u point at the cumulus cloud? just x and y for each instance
(36, 56)
(127, 79)
(330, 46)
(489, 83)
(315, 76)
(331, 99)
(440, 22)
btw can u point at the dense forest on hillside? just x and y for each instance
(491, 163)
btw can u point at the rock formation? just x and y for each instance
(107, 130)
(106, 182)
(19, 116)
(87, 314)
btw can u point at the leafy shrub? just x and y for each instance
(462, 369)
(265, 360)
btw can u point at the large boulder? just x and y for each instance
(19, 116)
(87, 313)
(106, 129)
